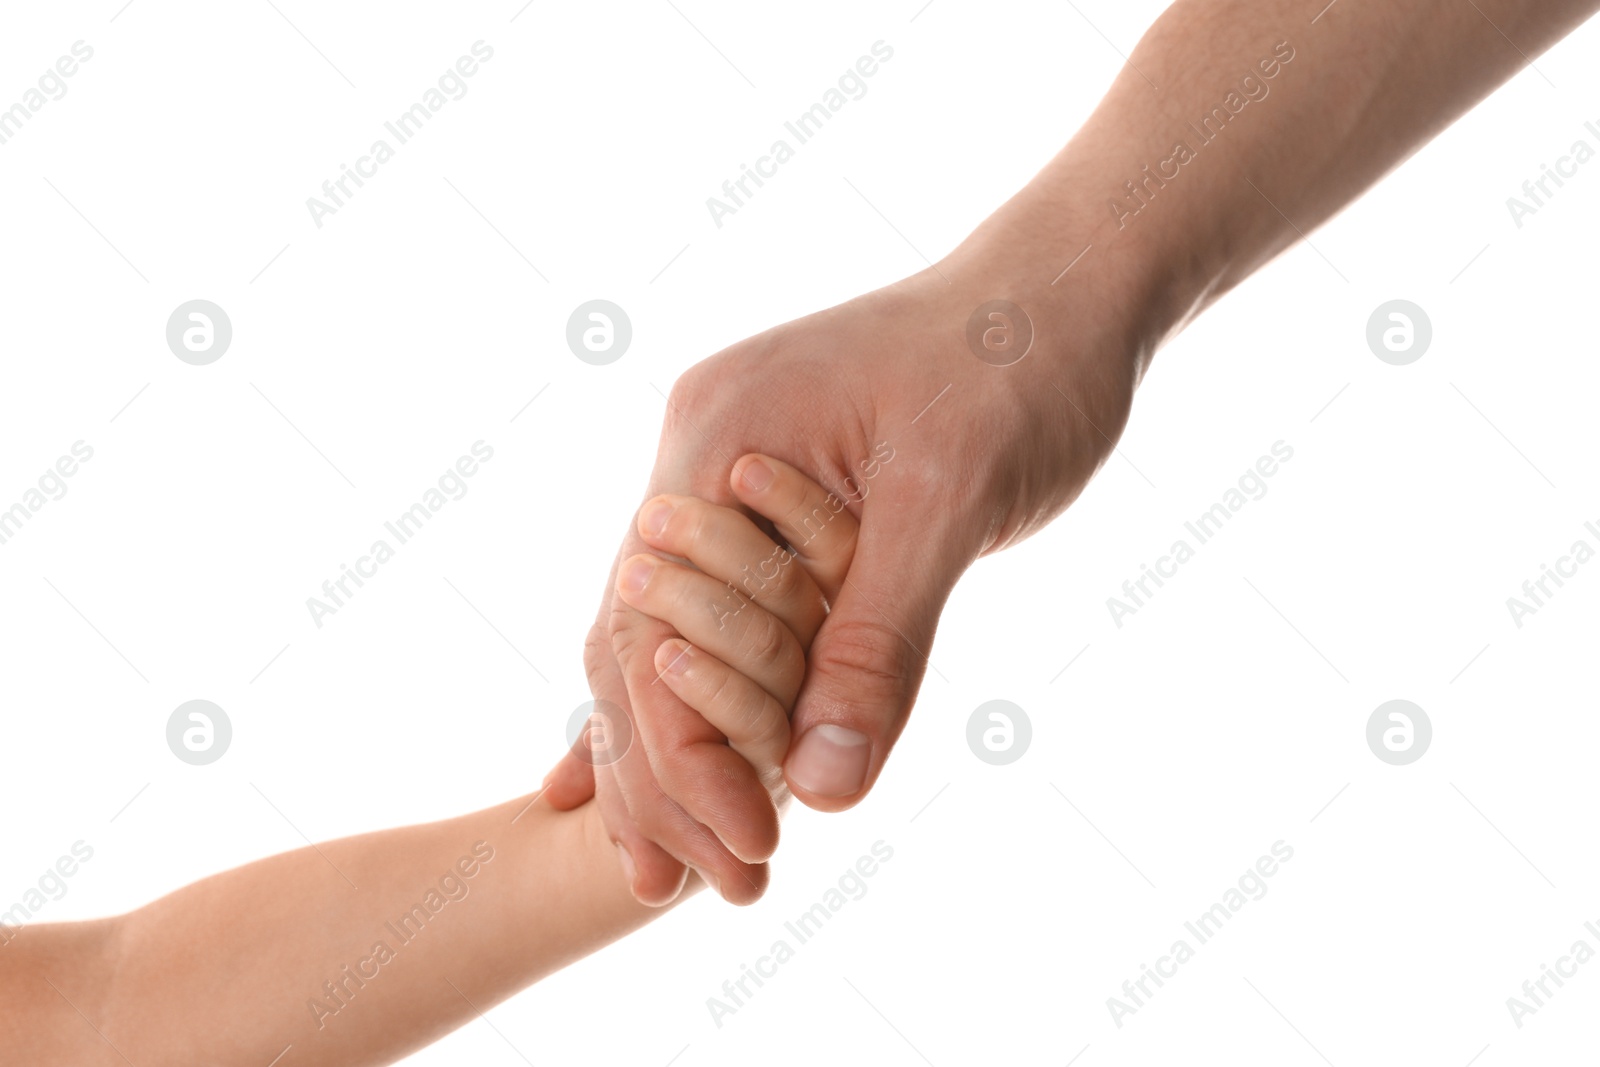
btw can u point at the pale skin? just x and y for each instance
(231, 969)
(1002, 451)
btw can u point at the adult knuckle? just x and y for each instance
(678, 771)
(694, 393)
(621, 626)
(871, 654)
(659, 817)
(597, 650)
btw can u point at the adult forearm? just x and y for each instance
(997, 381)
(1237, 127)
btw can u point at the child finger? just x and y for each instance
(727, 545)
(756, 725)
(814, 523)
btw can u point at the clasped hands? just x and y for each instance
(938, 455)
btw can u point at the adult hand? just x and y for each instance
(1178, 187)
(942, 456)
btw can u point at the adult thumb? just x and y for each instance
(868, 661)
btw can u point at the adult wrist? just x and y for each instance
(1060, 248)
(1086, 286)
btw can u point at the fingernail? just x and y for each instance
(655, 518)
(757, 475)
(635, 574)
(629, 871)
(830, 761)
(675, 655)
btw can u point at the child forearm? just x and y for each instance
(357, 951)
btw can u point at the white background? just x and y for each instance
(1188, 741)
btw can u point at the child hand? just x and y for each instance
(747, 610)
